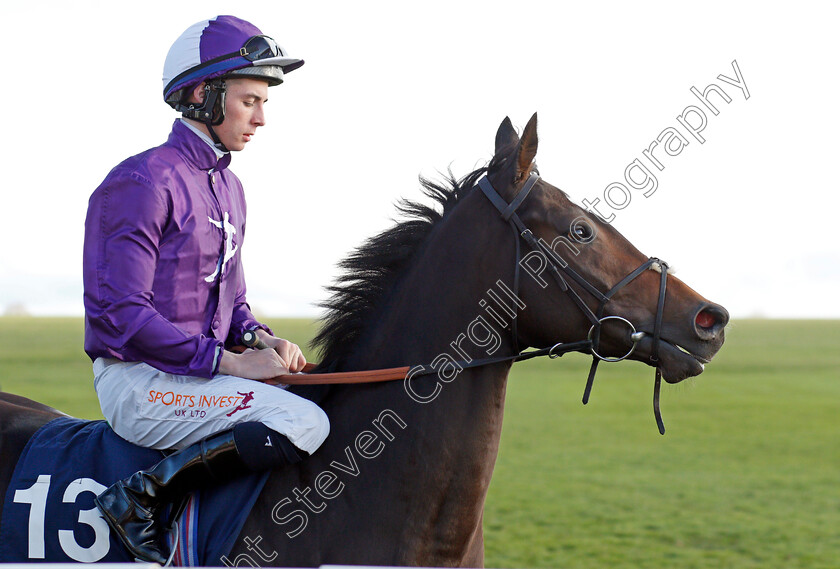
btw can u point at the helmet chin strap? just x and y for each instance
(216, 141)
(211, 112)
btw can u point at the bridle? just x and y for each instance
(556, 265)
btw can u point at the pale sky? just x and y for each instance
(392, 90)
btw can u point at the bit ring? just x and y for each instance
(635, 337)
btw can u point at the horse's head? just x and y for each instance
(691, 328)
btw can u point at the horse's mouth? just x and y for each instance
(676, 362)
(686, 351)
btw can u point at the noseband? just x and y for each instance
(560, 271)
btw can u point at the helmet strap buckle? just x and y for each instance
(211, 111)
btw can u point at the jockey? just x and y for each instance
(165, 293)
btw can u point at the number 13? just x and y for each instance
(36, 496)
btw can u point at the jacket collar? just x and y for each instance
(195, 149)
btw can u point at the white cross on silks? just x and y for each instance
(230, 249)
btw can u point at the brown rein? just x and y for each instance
(306, 377)
(369, 376)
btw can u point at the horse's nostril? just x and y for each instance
(705, 319)
(711, 318)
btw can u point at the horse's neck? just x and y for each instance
(412, 475)
(450, 443)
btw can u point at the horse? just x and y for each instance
(403, 476)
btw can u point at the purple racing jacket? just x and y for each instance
(163, 271)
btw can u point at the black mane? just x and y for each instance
(371, 271)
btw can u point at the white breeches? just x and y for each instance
(160, 410)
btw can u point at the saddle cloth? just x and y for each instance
(49, 514)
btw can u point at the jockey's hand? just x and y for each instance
(260, 365)
(290, 353)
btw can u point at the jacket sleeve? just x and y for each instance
(123, 231)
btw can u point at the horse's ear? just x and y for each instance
(506, 136)
(527, 150)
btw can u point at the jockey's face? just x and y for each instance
(244, 112)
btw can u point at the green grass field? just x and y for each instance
(748, 474)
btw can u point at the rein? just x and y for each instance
(556, 266)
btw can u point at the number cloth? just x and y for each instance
(48, 512)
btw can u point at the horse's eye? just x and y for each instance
(581, 230)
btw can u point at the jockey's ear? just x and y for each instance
(506, 136)
(197, 94)
(527, 149)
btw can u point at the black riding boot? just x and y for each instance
(132, 507)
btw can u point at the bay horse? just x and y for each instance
(402, 478)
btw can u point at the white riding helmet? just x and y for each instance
(212, 50)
